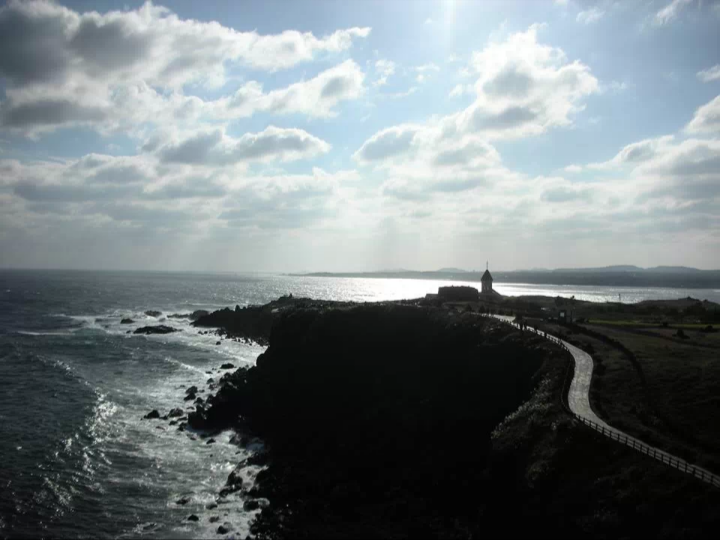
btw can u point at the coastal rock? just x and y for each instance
(214, 519)
(365, 381)
(126, 320)
(193, 517)
(195, 315)
(175, 413)
(217, 343)
(224, 528)
(227, 365)
(190, 397)
(211, 506)
(210, 441)
(199, 401)
(160, 329)
(210, 380)
(183, 500)
(192, 390)
(250, 505)
(152, 414)
(153, 313)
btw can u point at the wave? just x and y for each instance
(34, 333)
(111, 323)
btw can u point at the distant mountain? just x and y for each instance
(612, 276)
(451, 270)
(391, 271)
(673, 269)
(615, 268)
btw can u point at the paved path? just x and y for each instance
(579, 402)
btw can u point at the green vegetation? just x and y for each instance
(657, 371)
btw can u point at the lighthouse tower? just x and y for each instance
(487, 281)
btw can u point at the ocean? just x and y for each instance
(76, 457)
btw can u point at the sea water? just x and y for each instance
(76, 457)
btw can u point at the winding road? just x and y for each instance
(579, 403)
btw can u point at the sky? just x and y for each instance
(291, 136)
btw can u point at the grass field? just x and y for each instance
(643, 324)
(656, 386)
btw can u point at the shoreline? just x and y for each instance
(292, 420)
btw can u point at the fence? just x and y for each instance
(620, 437)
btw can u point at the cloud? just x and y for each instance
(384, 69)
(49, 113)
(631, 155)
(670, 12)
(706, 118)
(387, 144)
(397, 95)
(590, 16)
(460, 90)
(425, 71)
(286, 201)
(522, 74)
(316, 97)
(215, 148)
(522, 88)
(565, 194)
(51, 42)
(64, 68)
(710, 74)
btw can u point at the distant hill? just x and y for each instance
(633, 268)
(613, 276)
(616, 268)
(451, 270)
(673, 269)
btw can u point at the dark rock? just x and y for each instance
(195, 315)
(217, 343)
(153, 313)
(227, 365)
(210, 441)
(199, 401)
(179, 316)
(193, 517)
(210, 380)
(224, 528)
(152, 414)
(189, 397)
(250, 505)
(160, 428)
(126, 321)
(173, 422)
(191, 390)
(160, 329)
(183, 500)
(175, 413)
(365, 381)
(211, 506)
(214, 519)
